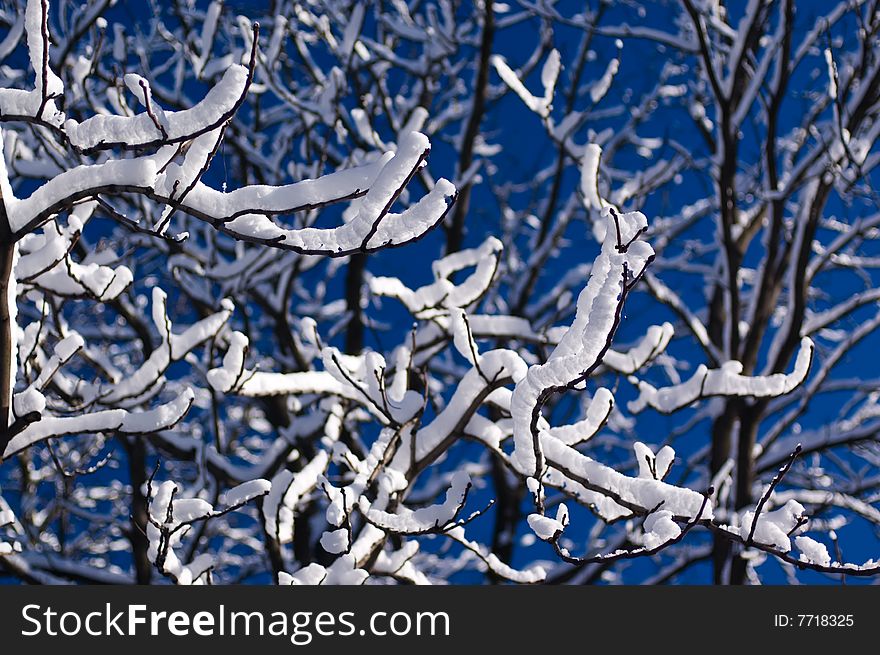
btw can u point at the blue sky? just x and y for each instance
(525, 151)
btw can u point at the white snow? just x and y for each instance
(812, 551)
(532, 575)
(498, 365)
(544, 527)
(344, 571)
(206, 38)
(597, 414)
(653, 466)
(773, 528)
(6, 517)
(584, 343)
(108, 420)
(313, 574)
(174, 347)
(212, 110)
(590, 176)
(287, 489)
(724, 381)
(184, 510)
(643, 493)
(10, 299)
(652, 344)
(540, 106)
(600, 88)
(659, 529)
(335, 541)
(437, 298)
(246, 491)
(832, 74)
(425, 519)
(550, 73)
(29, 400)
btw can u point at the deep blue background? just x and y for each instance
(527, 150)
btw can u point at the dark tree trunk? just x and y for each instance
(137, 466)
(455, 227)
(354, 280)
(7, 353)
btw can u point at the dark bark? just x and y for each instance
(354, 280)
(137, 466)
(722, 431)
(745, 477)
(455, 229)
(273, 549)
(7, 353)
(508, 499)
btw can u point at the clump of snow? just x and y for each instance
(656, 338)
(424, 519)
(600, 88)
(812, 551)
(335, 541)
(190, 509)
(246, 491)
(773, 528)
(140, 129)
(546, 528)
(725, 381)
(597, 413)
(344, 571)
(436, 299)
(108, 420)
(29, 400)
(549, 75)
(586, 340)
(225, 378)
(832, 74)
(287, 489)
(590, 176)
(650, 465)
(313, 574)
(660, 528)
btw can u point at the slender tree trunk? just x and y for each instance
(455, 227)
(509, 496)
(137, 464)
(7, 352)
(745, 477)
(722, 431)
(354, 280)
(273, 548)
